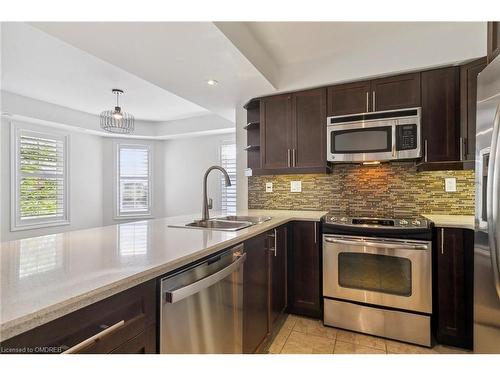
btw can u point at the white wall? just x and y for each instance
(184, 163)
(241, 159)
(85, 184)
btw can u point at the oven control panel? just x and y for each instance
(373, 222)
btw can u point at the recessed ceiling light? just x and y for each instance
(212, 82)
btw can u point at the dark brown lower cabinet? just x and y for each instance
(453, 291)
(304, 269)
(255, 293)
(134, 310)
(278, 273)
(264, 286)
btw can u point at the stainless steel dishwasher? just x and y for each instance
(201, 306)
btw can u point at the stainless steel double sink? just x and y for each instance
(230, 223)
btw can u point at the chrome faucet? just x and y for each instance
(207, 204)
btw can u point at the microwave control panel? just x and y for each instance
(406, 137)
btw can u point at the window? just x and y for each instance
(40, 178)
(134, 181)
(228, 162)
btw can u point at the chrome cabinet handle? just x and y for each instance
(315, 233)
(288, 155)
(92, 339)
(275, 241)
(176, 295)
(373, 93)
(275, 236)
(461, 148)
(384, 245)
(294, 158)
(367, 101)
(425, 150)
(442, 240)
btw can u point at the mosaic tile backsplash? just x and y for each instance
(386, 188)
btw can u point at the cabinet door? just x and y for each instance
(309, 128)
(304, 265)
(278, 273)
(402, 91)
(136, 307)
(440, 114)
(454, 286)
(255, 293)
(493, 40)
(349, 98)
(275, 132)
(468, 99)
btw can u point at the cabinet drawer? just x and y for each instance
(136, 307)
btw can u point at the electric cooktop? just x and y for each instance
(384, 225)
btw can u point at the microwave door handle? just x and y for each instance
(379, 244)
(493, 190)
(394, 131)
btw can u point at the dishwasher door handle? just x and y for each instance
(177, 295)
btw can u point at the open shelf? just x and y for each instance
(252, 125)
(252, 148)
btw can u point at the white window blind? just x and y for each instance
(228, 162)
(134, 180)
(41, 179)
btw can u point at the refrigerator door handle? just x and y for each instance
(493, 207)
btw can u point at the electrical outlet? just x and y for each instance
(269, 187)
(248, 172)
(450, 184)
(296, 186)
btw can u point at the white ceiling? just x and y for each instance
(37, 65)
(317, 53)
(164, 66)
(176, 56)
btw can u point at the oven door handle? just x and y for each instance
(381, 244)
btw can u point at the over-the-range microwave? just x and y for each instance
(374, 136)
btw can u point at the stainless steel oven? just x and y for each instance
(374, 136)
(377, 275)
(378, 271)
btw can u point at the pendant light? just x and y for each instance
(117, 121)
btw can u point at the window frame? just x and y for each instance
(222, 144)
(124, 216)
(16, 129)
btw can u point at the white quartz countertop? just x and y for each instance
(452, 221)
(44, 278)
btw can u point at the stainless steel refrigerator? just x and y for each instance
(487, 224)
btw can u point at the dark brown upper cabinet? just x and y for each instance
(309, 128)
(276, 131)
(293, 132)
(349, 98)
(493, 39)
(383, 94)
(454, 286)
(468, 100)
(441, 114)
(402, 91)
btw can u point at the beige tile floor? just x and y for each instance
(300, 335)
